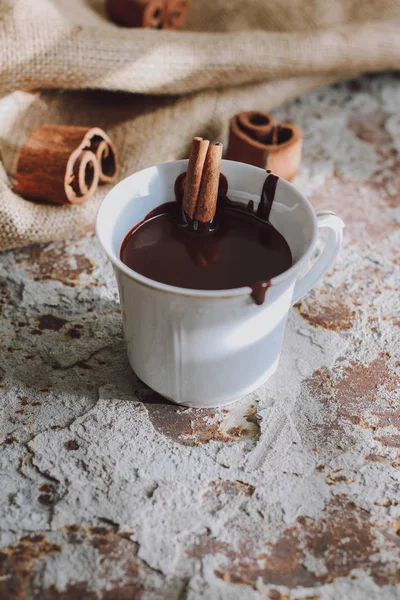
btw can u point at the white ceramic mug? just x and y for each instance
(208, 348)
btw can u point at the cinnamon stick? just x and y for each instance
(194, 174)
(201, 183)
(283, 156)
(105, 152)
(63, 164)
(256, 140)
(208, 195)
(257, 124)
(175, 15)
(136, 13)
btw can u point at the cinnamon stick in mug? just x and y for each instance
(208, 195)
(202, 179)
(194, 174)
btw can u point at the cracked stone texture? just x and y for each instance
(108, 491)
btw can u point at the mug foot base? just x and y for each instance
(194, 403)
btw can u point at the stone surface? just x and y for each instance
(107, 491)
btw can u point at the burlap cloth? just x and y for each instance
(233, 55)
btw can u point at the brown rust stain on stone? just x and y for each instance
(75, 591)
(338, 308)
(74, 333)
(50, 322)
(5, 298)
(206, 545)
(276, 595)
(343, 539)
(232, 578)
(96, 530)
(97, 542)
(33, 538)
(191, 427)
(54, 263)
(229, 487)
(46, 499)
(377, 458)
(17, 563)
(332, 479)
(362, 208)
(329, 310)
(81, 591)
(251, 415)
(185, 426)
(111, 558)
(238, 431)
(24, 402)
(9, 440)
(392, 441)
(357, 397)
(47, 488)
(71, 445)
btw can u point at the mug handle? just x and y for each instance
(334, 225)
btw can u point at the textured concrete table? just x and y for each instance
(109, 492)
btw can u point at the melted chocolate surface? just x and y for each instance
(240, 249)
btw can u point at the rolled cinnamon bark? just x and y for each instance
(256, 124)
(136, 13)
(106, 154)
(194, 174)
(208, 194)
(63, 165)
(265, 145)
(243, 145)
(176, 12)
(284, 155)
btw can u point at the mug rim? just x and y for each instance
(180, 291)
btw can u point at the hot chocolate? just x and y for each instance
(209, 245)
(243, 250)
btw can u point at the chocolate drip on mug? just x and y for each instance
(258, 291)
(267, 197)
